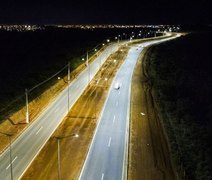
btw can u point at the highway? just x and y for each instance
(30, 142)
(108, 153)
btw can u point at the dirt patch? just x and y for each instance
(149, 155)
(81, 120)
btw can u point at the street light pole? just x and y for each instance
(58, 153)
(27, 107)
(88, 68)
(11, 164)
(58, 157)
(68, 84)
(10, 154)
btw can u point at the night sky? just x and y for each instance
(105, 12)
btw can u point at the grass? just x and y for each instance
(180, 75)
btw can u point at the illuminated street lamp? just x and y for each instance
(10, 154)
(88, 66)
(58, 151)
(125, 35)
(117, 38)
(27, 106)
(106, 79)
(139, 35)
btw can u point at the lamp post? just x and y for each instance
(58, 153)
(101, 58)
(106, 79)
(116, 38)
(67, 82)
(88, 66)
(97, 82)
(27, 106)
(58, 157)
(10, 153)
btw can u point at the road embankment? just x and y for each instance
(149, 153)
(179, 72)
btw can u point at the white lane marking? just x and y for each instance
(119, 93)
(39, 130)
(109, 142)
(57, 109)
(142, 114)
(117, 103)
(12, 162)
(102, 176)
(114, 118)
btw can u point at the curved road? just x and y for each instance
(107, 156)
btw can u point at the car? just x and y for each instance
(117, 86)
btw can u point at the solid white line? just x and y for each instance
(96, 129)
(12, 162)
(142, 114)
(109, 142)
(124, 173)
(102, 176)
(114, 118)
(39, 130)
(57, 109)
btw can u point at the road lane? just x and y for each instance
(29, 143)
(105, 159)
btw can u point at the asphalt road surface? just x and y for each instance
(29, 143)
(107, 156)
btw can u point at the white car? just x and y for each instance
(117, 86)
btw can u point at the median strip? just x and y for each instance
(82, 119)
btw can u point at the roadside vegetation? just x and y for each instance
(179, 72)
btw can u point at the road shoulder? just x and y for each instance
(149, 155)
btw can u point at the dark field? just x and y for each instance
(28, 58)
(181, 74)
